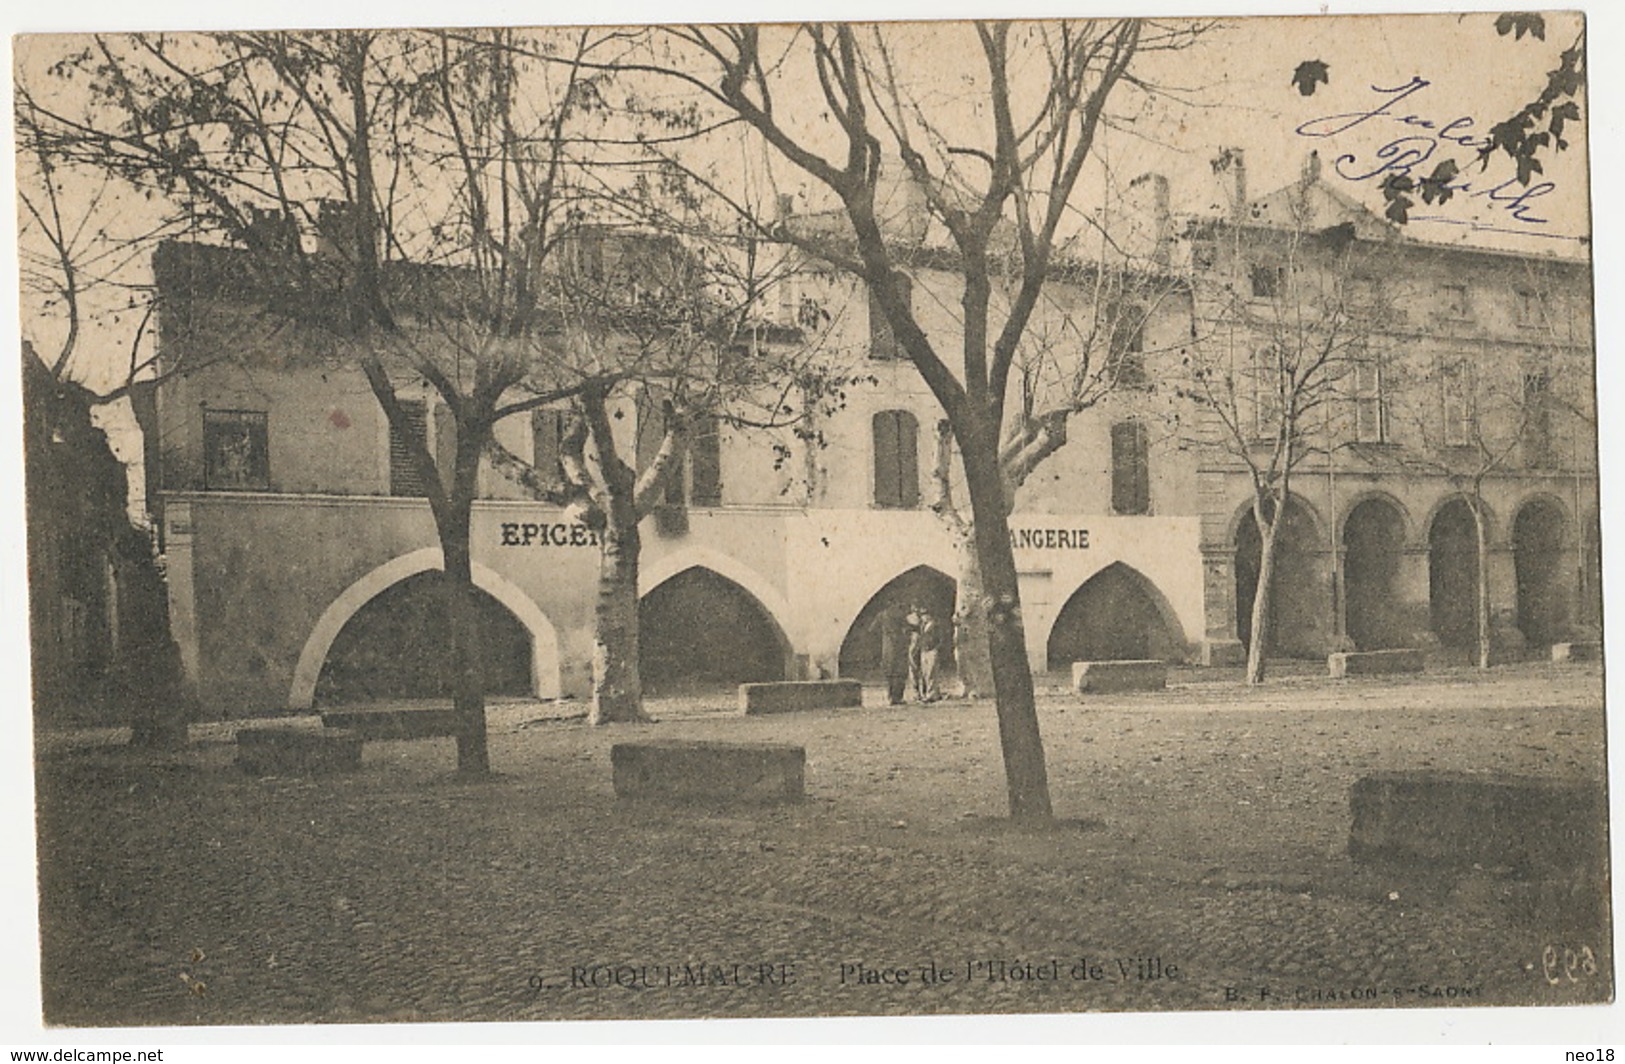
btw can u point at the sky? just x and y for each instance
(1472, 72)
(1420, 78)
(1425, 75)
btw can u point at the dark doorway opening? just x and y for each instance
(397, 646)
(928, 587)
(1453, 575)
(1114, 616)
(1373, 544)
(699, 630)
(1299, 608)
(1537, 554)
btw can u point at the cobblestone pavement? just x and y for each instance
(1199, 864)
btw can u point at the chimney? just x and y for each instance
(1311, 169)
(1149, 220)
(271, 230)
(900, 204)
(1230, 169)
(336, 230)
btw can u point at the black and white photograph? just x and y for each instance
(764, 520)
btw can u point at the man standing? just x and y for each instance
(894, 651)
(928, 637)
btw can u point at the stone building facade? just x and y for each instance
(296, 546)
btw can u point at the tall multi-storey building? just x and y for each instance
(298, 541)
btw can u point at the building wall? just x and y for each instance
(263, 581)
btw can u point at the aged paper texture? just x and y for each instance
(790, 520)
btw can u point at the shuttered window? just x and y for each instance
(897, 459)
(1131, 469)
(705, 463)
(1370, 402)
(1126, 356)
(882, 341)
(236, 450)
(671, 516)
(403, 471)
(1456, 379)
(1538, 452)
(547, 443)
(1267, 382)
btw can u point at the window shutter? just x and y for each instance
(882, 341)
(403, 471)
(897, 459)
(908, 460)
(445, 443)
(887, 479)
(547, 435)
(1131, 469)
(705, 458)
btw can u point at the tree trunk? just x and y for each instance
(617, 685)
(971, 655)
(1022, 745)
(1481, 606)
(1263, 593)
(159, 704)
(468, 692)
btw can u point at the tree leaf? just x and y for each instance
(1311, 72)
(1519, 23)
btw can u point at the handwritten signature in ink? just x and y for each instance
(1424, 136)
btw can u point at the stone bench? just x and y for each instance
(1106, 677)
(1563, 653)
(395, 723)
(1373, 663)
(795, 695)
(1539, 828)
(708, 771)
(297, 751)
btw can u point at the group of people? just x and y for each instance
(911, 642)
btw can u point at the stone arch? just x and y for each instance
(1453, 570)
(740, 641)
(1558, 504)
(860, 648)
(545, 681)
(1301, 604)
(1373, 541)
(1117, 613)
(1444, 501)
(1243, 514)
(1355, 501)
(1540, 533)
(1588, 597)
(654, 574)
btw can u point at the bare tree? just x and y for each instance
(681, 324)
(1472, 419)
(996, 158)
(439, 173)
(73, 250)
(1284, 335)
(1078, 353)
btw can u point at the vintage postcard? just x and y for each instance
(813, 520)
